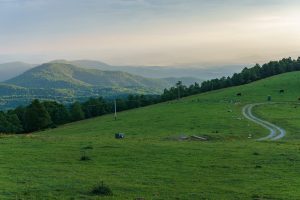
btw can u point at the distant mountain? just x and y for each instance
(163, 72)
(62, 76)
(91, 64)
(65, 82)
(12, 69)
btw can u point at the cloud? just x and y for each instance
(150, 31)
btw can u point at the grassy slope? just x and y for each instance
(283, 114)
(151, 165)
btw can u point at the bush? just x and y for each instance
(85, 157)
(102, 190)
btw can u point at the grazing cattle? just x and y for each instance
(239, 94)
(281, 91)
(299, 98)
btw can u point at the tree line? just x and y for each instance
(247, 75)
(50, 114)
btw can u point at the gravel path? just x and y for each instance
(276, 132)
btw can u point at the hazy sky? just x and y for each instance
(150, 32)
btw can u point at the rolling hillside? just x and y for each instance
(154, 162)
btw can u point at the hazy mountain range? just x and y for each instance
(10, 70)
(162, 72)
(67, 81)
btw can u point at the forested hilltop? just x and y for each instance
(49, 114)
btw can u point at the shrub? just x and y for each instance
(85, 157)
(102, 190)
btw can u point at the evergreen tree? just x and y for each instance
(36, 117)
(20, 112)
(9, 123)
(15, 123)
(58, 112)
(121, 104)
(76, 112)
(95, 107)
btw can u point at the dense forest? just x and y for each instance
(49, 114)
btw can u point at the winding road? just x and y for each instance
(276, 132)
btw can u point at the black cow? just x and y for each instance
(239, 94)
(281, 91)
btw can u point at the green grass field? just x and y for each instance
(153, 164)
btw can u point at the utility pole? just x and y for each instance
(178, 84)
(115, 102)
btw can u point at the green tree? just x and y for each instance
(20, 112)
(10, 123)
(95, 107)
(15, 123)
(36, 117)
(58, 112)
(76, 112)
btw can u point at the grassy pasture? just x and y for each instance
(151, 163)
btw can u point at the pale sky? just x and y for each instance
(150, 32)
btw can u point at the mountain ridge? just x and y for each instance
(61, 75)
(67, 83)
(177, 71)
